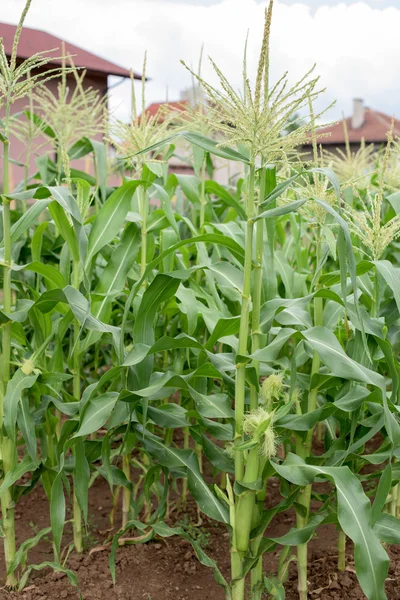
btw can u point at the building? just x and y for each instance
(32, 41)
(365, 124)
(181, 161)
(226, 172)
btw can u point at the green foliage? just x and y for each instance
(177, 336)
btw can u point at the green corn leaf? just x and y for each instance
(19, 314)
(51, 274)
(169, 416)
(26, 426)
(391, 275)
(279, 211)
(186, 460)
(22, 552)
(164, 530)
(217, 457)
(116, 475)
(63, 204)
(113, 279)
(382, 493)
(307, 421)
(96, 412)
(223, 328)
(166, 205)
(212, 406)
(27, 465)
(387, 529)
(28, 219)
(110, 218)
(188, 305)
(15, 388)
(190, 185)
(235, 248)
(295, 536)
(168, 343)
(354, 514)
(227, 274)
(81, 148)
(56, 567)
(214, 188)
(81, 478)
(40, 123)
(37, 240)
(160, 290)
(329, 349)
(80, 308)
(353, 399)
(212, 147)
(57, 510)
(279, 188)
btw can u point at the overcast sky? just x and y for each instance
(356, 45)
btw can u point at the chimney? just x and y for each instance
(358, 116)
(193, 94)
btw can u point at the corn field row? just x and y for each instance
(176, 327)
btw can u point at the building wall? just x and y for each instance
(18, 151)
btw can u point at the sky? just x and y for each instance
(355, 44)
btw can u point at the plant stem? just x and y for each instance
(271, 290)
(7, 509)
(375, 303)
(199, 454)
(256, 336)
(236, 561)
(126, 458)
(76, 385)
(303, 449)
(202, 194)
(236, 569)
(240, 388)
(6, 341)
(267, 184)
(8, 450)
(143, 214)
(398, 502)
(256, 578)
(257, 573)
(202, 255)
(245, 515)
(186, 434)
(126, 494)
(244, 511)
(393, 504)
(77, 526)
(341, 550)
(245, 502)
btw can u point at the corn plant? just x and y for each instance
(16, 82)
(273, 413)
(255, 317)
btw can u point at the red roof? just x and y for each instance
(374, 129)
(164, 107)
(34, 40)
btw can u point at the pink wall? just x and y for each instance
(18, 148)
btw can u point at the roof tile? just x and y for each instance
(374, 130)
(34, 40)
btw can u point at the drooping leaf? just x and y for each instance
(354, 514)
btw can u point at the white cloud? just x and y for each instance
(356, 47)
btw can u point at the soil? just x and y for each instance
(166, 568)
